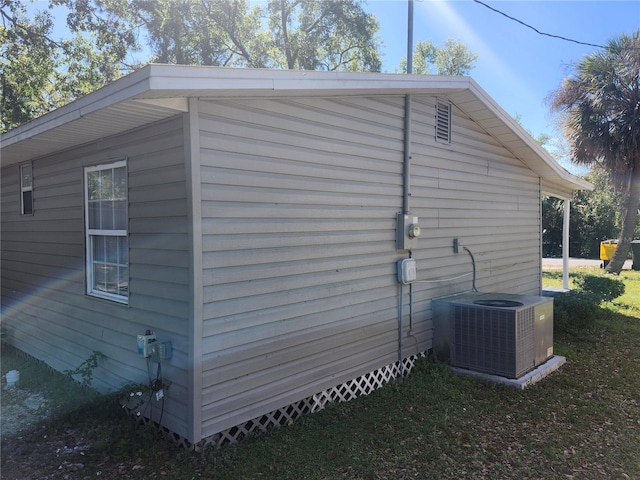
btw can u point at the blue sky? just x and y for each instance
(516, 66)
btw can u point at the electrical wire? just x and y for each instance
(559, 37)
(448, 279)
(473, 262)
(159, 387)
(155, 385)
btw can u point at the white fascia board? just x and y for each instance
(219, 82)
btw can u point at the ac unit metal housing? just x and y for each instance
(496, 333)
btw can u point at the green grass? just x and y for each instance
(629, 303)
(582, 422)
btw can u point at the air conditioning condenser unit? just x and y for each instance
(496, 333)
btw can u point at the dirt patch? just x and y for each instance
(20, 411)
(42, 440)
(38, 446)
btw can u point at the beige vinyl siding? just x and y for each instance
(298, 204)
(45, 309)
(299, 199)
(477, 191)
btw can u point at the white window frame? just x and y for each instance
(24, 189)
(93, 287)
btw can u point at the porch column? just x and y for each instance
(565, 245)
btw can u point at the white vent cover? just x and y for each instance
(443, 122)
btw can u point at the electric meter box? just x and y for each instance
(407, 231)
(407, 271)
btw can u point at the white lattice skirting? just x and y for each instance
(344, 392)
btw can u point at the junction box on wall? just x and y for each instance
(407, 271)
(148, 346)
(145, 343)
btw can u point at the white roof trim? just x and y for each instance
(156, 92)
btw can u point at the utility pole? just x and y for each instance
(410, 36)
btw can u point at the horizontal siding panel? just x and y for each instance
(155, 209)
(221, 259)
(53, 203)
(247, 154)
(357, 185)
(159, 257)
(321, 240)
(45, 307)
(260, 115)
(266, 226)
(169, 175)
(162, 273)
(370, 323)
(166, 290)
(159, 241)
(224, 193)
(281, 318)
(48, 249)
(278, 298)
(30, 236)
(308, 364)
(48, 227)
(336, 270)
(213, 212)
(159, 224)
(174, 190)
(276, 322)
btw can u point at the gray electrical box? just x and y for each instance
(407, 231)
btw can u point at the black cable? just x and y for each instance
(538, 31)
(148, 403)
(160, 382)
(473, 263)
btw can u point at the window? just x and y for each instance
(443, 122)
(26, 189)
(107, 243)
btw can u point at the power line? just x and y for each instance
(538, 31)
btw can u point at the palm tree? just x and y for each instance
(601, 107)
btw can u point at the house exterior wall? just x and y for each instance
(45, 310)
(299, 199)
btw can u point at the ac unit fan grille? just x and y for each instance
(493, 340)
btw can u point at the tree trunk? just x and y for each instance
(628, 223)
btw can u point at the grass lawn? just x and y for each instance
(582, 422)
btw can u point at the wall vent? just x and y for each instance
(443, 122)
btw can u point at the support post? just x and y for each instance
(565, 244)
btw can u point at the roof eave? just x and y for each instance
(555, 180)
(157, 92)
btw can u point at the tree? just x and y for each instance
(27, 62)
(598, 214)
(453, 58)
(595, 216)
(290, 34)
(600, 104)
(39, 72)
